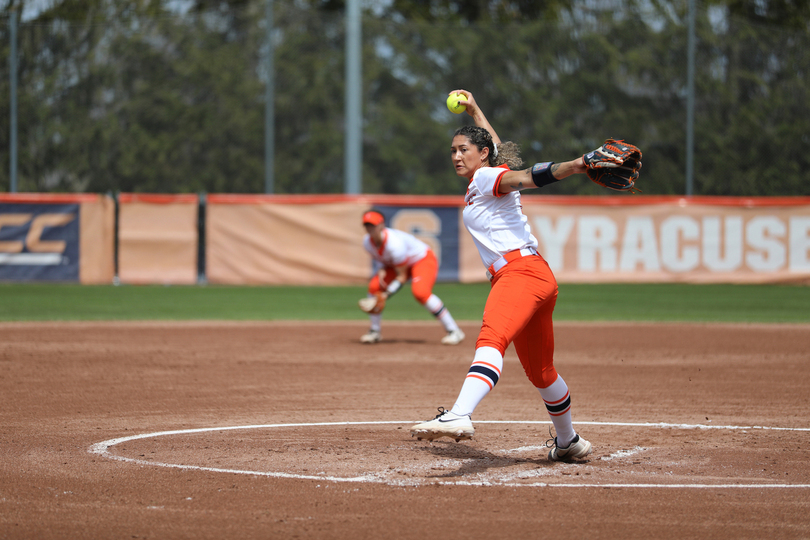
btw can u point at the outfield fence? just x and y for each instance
(317, 239)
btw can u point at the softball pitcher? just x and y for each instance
(521, 301)
(401, 257)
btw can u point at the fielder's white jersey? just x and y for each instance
(495, 221)
(398, 248)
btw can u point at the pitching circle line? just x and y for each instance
(102, 449)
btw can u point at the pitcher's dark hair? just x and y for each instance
(508, 152)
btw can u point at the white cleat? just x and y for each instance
(446, 424)
(373, 336)
(453, 338)
(578, 448)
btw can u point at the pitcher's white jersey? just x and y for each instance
(495, 221)
(398, 248)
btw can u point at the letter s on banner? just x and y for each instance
(764, 234)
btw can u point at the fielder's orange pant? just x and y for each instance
(422, 275)
(518, 310)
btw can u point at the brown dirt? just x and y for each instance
(295, 430)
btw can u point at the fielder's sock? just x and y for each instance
(558, 404)
(376, 321)
(481, 378)
(436, 307)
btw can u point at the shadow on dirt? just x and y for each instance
(477, 461)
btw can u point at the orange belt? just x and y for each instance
(507, 258)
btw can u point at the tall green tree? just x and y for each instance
(129, 96)
(161, 96)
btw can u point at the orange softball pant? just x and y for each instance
(518, 310)
(422, 276)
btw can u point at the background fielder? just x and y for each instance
(400, 257)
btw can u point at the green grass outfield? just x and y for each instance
(577, 302)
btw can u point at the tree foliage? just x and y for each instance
(146, 96)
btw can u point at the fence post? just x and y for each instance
(690, 102)
(13, 112)
(269, 105)
(202, 279)
(354, 89)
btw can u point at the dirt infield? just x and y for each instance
(296, 430)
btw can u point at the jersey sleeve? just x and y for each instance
(488, 180)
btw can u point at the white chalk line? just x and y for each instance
(102, 449)
(624, 453)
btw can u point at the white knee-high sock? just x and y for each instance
(481, 378)
(435, 305)
(376, 321)
(558, 404)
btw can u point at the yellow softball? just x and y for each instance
(453, 104)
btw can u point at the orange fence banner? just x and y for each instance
(317, 239)
(97, 240)
(157, 239)
(251, 241)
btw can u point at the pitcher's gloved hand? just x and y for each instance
(614, 165)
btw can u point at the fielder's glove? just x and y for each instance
(614, 165)
(373, 304)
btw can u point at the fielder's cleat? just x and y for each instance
(373, 336)
(578, 448)
(453, 338)
(446, 424)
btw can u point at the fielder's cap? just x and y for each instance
(373, 218)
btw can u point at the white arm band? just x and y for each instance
(393, 287)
